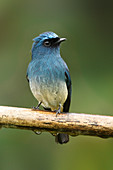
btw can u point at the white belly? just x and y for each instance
(51, 95)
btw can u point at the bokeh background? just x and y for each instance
(88, 51)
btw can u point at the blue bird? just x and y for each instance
(48, 76)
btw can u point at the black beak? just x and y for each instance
(59, 41)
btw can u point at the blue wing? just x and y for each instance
(69, 87)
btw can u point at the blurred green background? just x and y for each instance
(88, 51)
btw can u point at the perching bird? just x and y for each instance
(48, 76)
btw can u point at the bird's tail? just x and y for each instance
(62, 138)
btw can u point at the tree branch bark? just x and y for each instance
(71, 123)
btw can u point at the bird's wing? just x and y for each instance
(69, 88)
(27, 77)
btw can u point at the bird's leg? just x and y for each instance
(59, 110)
(37, 107)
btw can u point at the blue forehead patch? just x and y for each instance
(45, 35)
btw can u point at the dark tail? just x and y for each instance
(62, 138)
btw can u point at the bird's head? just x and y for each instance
(46, 43)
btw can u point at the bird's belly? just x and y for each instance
(51, 94)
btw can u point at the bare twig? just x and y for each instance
(72, 123)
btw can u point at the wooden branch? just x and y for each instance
(71, 123)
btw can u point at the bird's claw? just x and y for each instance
(35, 108)
(58, 111)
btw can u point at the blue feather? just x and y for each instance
(48, 76)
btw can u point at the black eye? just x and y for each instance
(47, 43)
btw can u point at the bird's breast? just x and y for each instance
(48, 86)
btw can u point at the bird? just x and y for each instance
(49, 78)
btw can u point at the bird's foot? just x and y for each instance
(37, 107)
(58, 111)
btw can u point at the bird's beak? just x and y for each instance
(60, 40)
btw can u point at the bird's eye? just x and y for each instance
(47, 43)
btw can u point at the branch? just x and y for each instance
(71, 123)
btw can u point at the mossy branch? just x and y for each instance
(71, 123)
